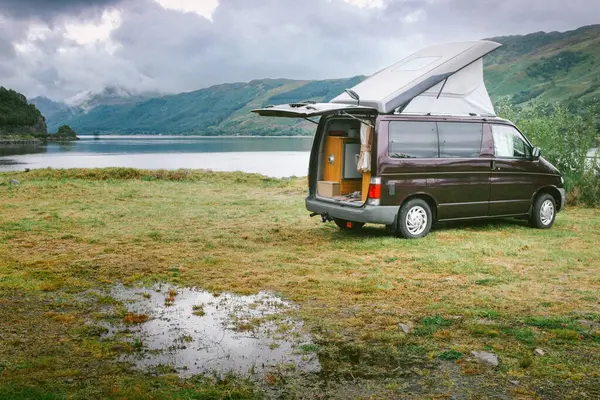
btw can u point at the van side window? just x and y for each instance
(460, 139)
(413, 139)
(509, 143)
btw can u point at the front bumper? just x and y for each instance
(563, 198)
(385, 215)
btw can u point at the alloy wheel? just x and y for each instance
(547, 212)
(416, 220)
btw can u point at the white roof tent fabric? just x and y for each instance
(441, 79)
(463, 93)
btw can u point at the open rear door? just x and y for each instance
(337, 177)
(309, 110)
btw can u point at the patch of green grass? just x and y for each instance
(436, 321)
(430, 325)
(489, 281)
(565, 335)
(549, 322)
(30, 393)
(485, 313)
(154, 235)
(451, 355)
(198, 310)
(524, 335)
(309, 348)
(483, 330)
(210, 260)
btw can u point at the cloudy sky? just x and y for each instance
(59, 47)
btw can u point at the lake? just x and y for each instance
(271, 156)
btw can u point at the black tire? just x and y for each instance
(343, 225)
(416, 208)
(543, 212)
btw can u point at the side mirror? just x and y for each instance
(536, 153)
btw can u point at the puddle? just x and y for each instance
(196, 332)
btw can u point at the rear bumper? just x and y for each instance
(563, 198)
(385, 215)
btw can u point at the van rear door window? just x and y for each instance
(460, 139)
(412, 139)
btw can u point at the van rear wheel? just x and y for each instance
(414, 219)
(544, 212)
(348, 225)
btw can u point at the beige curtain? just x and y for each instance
(364, 162)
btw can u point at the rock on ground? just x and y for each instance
(539, 352)
(486, 358)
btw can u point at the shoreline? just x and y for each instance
(146, 136)
(35, 141)
(21, 141)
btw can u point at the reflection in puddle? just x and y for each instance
(196, 332)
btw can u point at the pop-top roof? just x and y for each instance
(395, 86)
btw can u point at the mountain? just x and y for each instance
(549, 67)
(218, 110)
(48, 107)
(19, 117)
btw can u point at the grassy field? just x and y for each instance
(498, 286)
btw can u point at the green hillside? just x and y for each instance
(17, 116)
(548, 67)
(538, 67)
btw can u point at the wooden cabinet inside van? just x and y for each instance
(339, 164)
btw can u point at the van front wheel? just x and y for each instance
(544, 212)
(414, 220)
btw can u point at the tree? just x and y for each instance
(15, 112)
(565, 139)
(66, 131)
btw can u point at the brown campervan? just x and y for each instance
(419, 143)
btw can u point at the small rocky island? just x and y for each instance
(21, 122)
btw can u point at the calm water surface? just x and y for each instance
(272, 156)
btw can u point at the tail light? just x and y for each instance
(374, 192)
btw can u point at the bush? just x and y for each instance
(587, 191)
(561, 62)
(565, 139)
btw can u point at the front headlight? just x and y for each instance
(562, 180)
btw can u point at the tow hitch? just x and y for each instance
(324, 217)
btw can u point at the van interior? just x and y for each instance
(339, 178)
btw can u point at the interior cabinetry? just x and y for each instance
(339, 164)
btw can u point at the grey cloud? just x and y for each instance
(485, 18)
(170, 51)
(48, 9)
(244, 41)
(11, 32)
